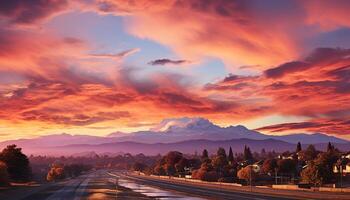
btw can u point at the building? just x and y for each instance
(345, 167)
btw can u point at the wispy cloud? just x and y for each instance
(118, 56)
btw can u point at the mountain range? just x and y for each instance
(184, 134)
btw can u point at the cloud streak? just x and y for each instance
(166, 61)
(117, 56)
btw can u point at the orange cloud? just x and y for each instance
(317, 87)
(223, 29)
(56, 81)
(327, 14)
(30, 12)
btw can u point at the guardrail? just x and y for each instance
(197, 181)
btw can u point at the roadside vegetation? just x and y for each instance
(303, 166)
(308, 167)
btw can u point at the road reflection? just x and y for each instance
(153, 191)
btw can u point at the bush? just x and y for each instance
(203, 175)
(56, 173)
(226, 180)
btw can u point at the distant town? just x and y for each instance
(303, 168)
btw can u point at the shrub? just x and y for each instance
(56, 173)
(203, 175)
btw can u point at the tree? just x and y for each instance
(4, 176)
(286, 166)
(320, 170)
(315, 173)
(330, 147)
(180, 166)
(247, 173)
(220, 160)
(55, 173)
(170, 169)
(138, 166)
(159, 170)
(310, 153)
(221, 152)
(205, 156)
(204, 175)
(263, 153)
(230, 156)
(173, 157)
(17, 163)
(247, 154)
(298, 147)
(269, 166)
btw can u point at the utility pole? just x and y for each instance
(250, 177)
(341, 175)
(276, 175)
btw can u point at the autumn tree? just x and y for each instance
(55, 173)
(315, 173)
(17, 163)
(269, 166)
(320, 170)
(247, 173)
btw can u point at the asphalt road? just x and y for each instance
(102, 185)
(201, 192)
(210, 191)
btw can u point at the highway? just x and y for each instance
(209, 191)
(104, 185)
(202, 192)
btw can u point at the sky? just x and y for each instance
(99, 66)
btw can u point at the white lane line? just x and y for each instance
(62, 193)
(81, 188)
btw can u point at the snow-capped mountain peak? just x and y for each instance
(176, 124)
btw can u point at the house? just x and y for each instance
(257, 166)
(288, 155)
(344, 166)
(346, 155)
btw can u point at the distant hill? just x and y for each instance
(189, 133)
(190, 146)
(180, 129)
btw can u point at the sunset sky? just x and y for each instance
(100, 66)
